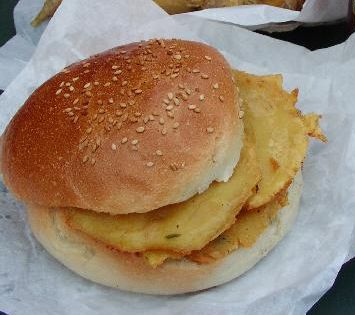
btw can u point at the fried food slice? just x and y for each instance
(249, 225)
(179, 228)
(48, 10)
(281, 132)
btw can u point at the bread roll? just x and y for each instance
(130, 272)
(127, 130)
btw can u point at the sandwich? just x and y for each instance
(179, 6)
(155, 167)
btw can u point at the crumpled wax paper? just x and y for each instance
(304, 264)
(263, 16)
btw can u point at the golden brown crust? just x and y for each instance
(181, 6)
(128, 130)
(130, 272)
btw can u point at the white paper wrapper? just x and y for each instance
(294, 275)
(263, 16)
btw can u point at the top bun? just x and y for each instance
(131, 129)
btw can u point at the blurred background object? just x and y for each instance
(180, 6)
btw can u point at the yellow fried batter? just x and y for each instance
(179, 228)
(281, 132)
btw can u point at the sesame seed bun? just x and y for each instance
(130, 272)
(132, 129)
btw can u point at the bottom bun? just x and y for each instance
(99, 263)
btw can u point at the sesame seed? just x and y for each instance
(87, 85)
(176, 125)
(94, 117)
(241, 114)
(66, 95)
(138, 91)
(170, 107)
(114, 78)
(85, 159)
(110, 100)
(146, 119)
(216, 86)
(173, 166)
(93, 161)
(61, 84)
(188, 91)
(202, 97)
(87, 71)
(89, 130)
(68, 84)
(177, 57)
(150, 164)
(181, 86)
(76, 108)
(75, 119)
(191, 106)
(164, 132)
(204, 76)
(170, 96)
(166, 101)
(94, 148)
(75, 79)
(158, 152)
(86, 64)
(124, 83)
(101, 119)
(71, 88)
(123, 52)
(96, 83)
(195, 71)
(221, 98)
(197, 110)
(124, 140)
(131, 102)
(151, 117)
(210, 130)
(123, 105)
(171, 114)
(155, 114)
(155, 76)
(134, 142)
(161, 121)
(107, 84)
(140, 129)
(114, 67)
(175, 75)
(113, 147)
(184, 96)
(176, 101)
(118, 72)
(88, 93)
(58, 92)
(208, 58)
